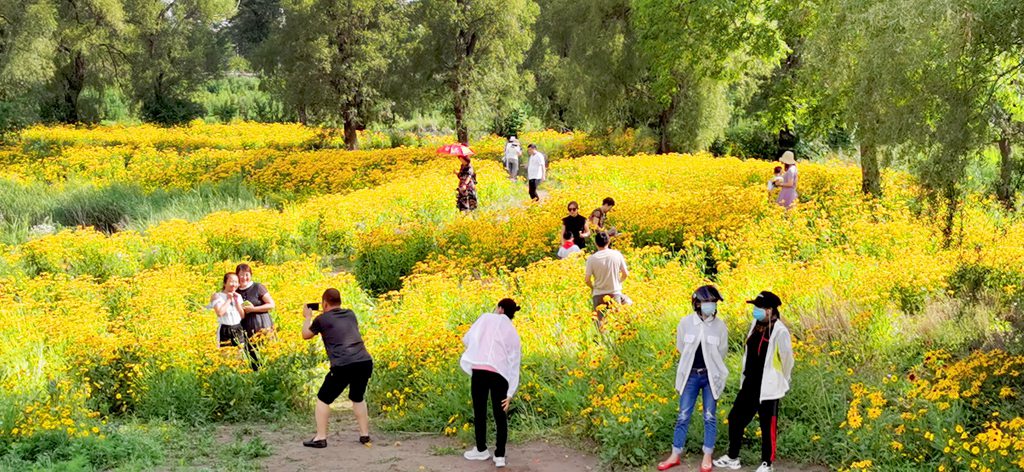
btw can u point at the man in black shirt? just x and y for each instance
(351, 364)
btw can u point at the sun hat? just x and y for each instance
(766, 299)
(787, 158)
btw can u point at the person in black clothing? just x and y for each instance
(577, 225)
(351, 364)
(767, 370)
(256, 303)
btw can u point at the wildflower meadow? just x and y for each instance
(908, 344)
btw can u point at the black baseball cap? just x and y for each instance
(766, 299)
(509, 306)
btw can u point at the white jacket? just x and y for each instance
(713, 337)
(493, 341)
(778, 364)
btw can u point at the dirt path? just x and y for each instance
(399, 452)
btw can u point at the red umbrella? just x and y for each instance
(456, 150)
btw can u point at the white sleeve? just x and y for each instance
(514, 361)
(216, 300)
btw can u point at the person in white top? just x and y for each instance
(492, 357)
(536, 170)
(227, 304)
(702, 340)
(568, 246)
(511, 160)
(605, 272)
(767, 370)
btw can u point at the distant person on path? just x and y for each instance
(511, 159)
(787, 196)
(702, 341)
(767, 370)
(606, 270)
(567, 247)
(351, 364)
(227, 304)
(602, 213)
(466, 199)
(492, 357)
(536, 170)
(576, 224)
(256, 303)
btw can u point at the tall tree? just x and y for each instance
(330, 59)
(26, 57)
(252, 25)
(471, 51)
(88, 52)
(176, 46)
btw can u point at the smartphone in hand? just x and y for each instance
(313, 306)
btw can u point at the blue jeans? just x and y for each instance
(695, 383)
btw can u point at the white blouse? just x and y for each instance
(230, 317)
(493, 342)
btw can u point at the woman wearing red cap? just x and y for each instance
(767, 369)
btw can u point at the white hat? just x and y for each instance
(787, 158)
(513, 139)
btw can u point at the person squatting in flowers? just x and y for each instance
(767, 370)
(702, 340)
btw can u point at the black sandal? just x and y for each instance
(317, 443)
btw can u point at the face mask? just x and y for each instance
(708, 308)
(760, 314)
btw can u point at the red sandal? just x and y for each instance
(668, 465)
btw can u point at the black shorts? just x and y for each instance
(355, 376)
(231, 335)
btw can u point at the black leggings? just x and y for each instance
(747, 405)
(483, 383)
(533, 189)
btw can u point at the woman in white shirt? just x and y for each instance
(492, 358)
(703, 341)
(227, 304)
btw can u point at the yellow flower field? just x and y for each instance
(908, 350)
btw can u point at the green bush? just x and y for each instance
(380, 266)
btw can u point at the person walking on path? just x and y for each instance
(702, 340)
(351, 364)
(492, 358)
(606, 270)
(466, 197)
(536, 170)
(577, 225)
(511, 159)
(767, 370)
(256, 304)
(787, 194)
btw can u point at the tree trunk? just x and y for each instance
(664, 120)
(74, 82)
(952, 207)
(871, 179)
(461, 100)
(1004, 191)
(351, 138)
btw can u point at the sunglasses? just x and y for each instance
(573, 208)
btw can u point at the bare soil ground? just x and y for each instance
(416, 452)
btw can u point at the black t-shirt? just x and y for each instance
(255, 322)
(339, 330)
(698, 358)
(576, 225)
(254, 294)
(757, 352)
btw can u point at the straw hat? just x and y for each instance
(787, 158)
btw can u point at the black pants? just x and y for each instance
(235, 336)
(533, 188)
(484, 383)
(747, 405)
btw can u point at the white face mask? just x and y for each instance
(708, 308)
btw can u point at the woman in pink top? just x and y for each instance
(492, 358)
(787, 196)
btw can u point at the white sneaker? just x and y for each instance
(499, 462)
(727, 462)
(765, 468)
(475, 455)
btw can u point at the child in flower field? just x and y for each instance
(492, 358)
(227, 304)
(568, 245)
(773, 183)
(767, 369)
(351, 364)
(702, 341)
